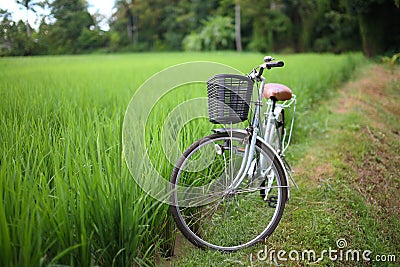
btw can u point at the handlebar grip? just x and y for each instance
(277, 64)
(269, 65)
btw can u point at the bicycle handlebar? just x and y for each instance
(277, 64)
(269, 65)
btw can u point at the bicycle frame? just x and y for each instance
(249, 151)
(271, 116)
(232, 165)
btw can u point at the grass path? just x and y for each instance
(348, 171)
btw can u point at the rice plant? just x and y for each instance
(67, 197)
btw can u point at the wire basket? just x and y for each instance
(229, 98)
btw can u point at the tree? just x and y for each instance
(72, 18)
(379, 24)
(125, 14)
(13, 37)
(180, 18)
(335, 30)
(302, 14)
(237, 27)
(268, 24)
(29, 6)
(6, 31)
(217, 33)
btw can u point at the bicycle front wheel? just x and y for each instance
(220, 216)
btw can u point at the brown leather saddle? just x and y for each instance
(277, 91)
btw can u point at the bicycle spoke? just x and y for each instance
(218, 214)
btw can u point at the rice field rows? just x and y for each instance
(67, 197)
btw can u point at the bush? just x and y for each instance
(217, 33)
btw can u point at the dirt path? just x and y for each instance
(377, 97)
(373, 100)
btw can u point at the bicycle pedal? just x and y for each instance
(241, 149)
(272, 201)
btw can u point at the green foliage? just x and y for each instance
(73, 31)
(264, 37)
(271, 25)
(159, 25)
(391, 61)
(217, 33)
(72, 19)
(363, 6)
(13, 38)
(67, 197)
(29, 5)
(91, 38)
(192, 42)
(378, 23)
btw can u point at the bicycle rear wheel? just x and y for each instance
(217, 216)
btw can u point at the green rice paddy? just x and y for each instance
(67, 197)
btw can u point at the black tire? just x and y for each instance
(221, 219)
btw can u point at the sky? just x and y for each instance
(103, 7)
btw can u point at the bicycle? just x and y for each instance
(241, 178)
